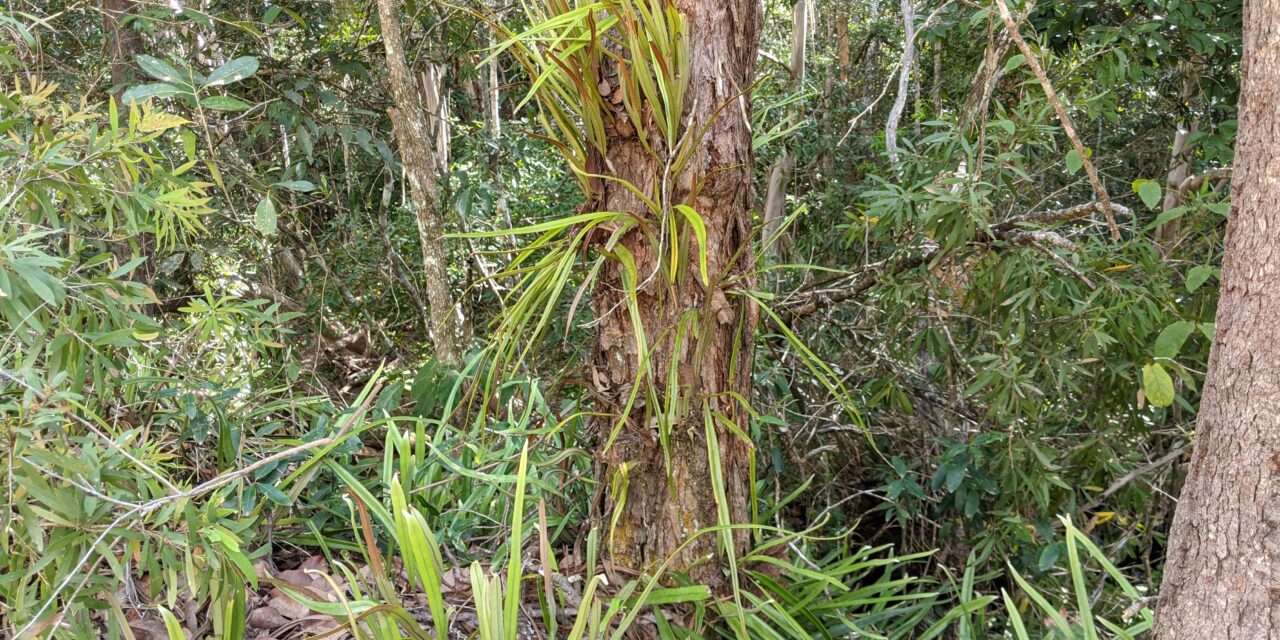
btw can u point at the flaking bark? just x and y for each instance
(663, 506)
(1221, 580)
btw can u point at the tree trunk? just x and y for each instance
(775, 202)
(1221, 579)
(414, 137)
(1166, 235)
(123, 42)
(493, 125)
(699, 338)
(904, 76)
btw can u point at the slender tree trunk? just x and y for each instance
(699, 338)
(904, 76)
(935, 92)
(775, 202)
(493, 124)
(123, 42)
(843, 53)
(1222, 577)
(414, 137)
(1166, 235)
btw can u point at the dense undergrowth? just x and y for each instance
(221, 416)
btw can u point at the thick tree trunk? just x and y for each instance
(414, 137)
(1222, 577)
(699, 340)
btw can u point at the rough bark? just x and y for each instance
(666, 500)
(414, 137)
(775, 202)
(122, 41)
(1221, 579)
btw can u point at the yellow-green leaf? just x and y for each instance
(1157, 385)
(161, 122)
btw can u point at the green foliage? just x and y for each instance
(204, 275)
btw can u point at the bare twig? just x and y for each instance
(892, 75)
(1191, 183)
(1063, 118)
(1006, 230)
(1125, 479)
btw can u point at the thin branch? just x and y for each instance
(1191, 183)
(1062, 116)
(892, 75)
(1125, 479)
(1006, 230)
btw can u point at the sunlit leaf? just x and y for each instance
(233, 71)
(1157, 384)
(301, 186)
(264, 217)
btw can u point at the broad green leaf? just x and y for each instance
(233, 71)
(1169, 342)
(1149, 191)
(1015, 60)
(1074, 161)
(1207, 329)
(144, 92)
(301, 186)
(224, 103)
(145, 334)
(264, 217)
(1157, 385)
(1197, 276)
(160, 70)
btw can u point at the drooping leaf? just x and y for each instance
(1198, 275)
(1170, 340)
(1157, 385)
(1206, 328)
(264, 217)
